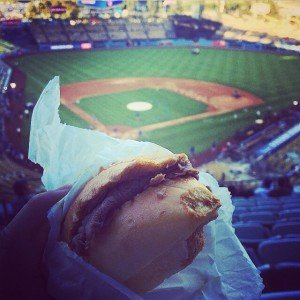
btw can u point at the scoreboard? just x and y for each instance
(99, 3)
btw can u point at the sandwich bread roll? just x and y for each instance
(141, 221)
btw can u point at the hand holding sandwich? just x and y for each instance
(138, 221)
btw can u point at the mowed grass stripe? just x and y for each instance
(200, 134)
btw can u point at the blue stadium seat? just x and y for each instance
(290, 213)
(240, 210)
(291, 206)
(290, 200)
(235, 219)
(251, 231)
(265, 218)
(291, 295)
(239, 199)
(258, 198)
(244, 203)
(237, 212)
(272, 202)
(279, 250)
(280, 277)
(266, 198)
(251, 234)
(9, 210)
(283, 228)
(266, 208)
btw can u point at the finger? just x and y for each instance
(45, 200)
(66, 186)
(34, 213)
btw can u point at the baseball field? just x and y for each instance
(191, 100)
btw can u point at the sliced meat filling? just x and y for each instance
(122, 192)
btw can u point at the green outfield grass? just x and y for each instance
(215, 129)
(274, 78)
(167, 105)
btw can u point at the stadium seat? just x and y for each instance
(240, 210)
(291, 295)
(290, 213)
(269, 202)
(291, 201)
(243, 202)
(5, 214)
(266, 208)
(279, 250)
(258, 198)
(276, 206)
(251, 234)
(237, 212)
(241, 199)
(253, 255)
(284, 228)
(251, 231)
(291, 206)
(280, 277)
(235, 219)
(265, 218)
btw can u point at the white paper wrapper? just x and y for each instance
(71, 155)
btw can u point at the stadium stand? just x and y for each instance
(101, 30)
(97, 31)
(251, 234)
(286, 227)
(55, 32)
(291, 295)
(155, 29)
(169, 28)
(255, 209)
(287, 250)
(117, 29)
(136, 30)
(76, 32)
(268, 150)
(285, 159)
(7, 48)
(5, 75)
(263, 217)
(280, 277)
(38, 33)
(10, 172)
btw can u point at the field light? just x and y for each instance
(259, 121)
(13, 85)
(117, 15)
(295, 102)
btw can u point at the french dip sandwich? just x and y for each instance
(141, 221)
